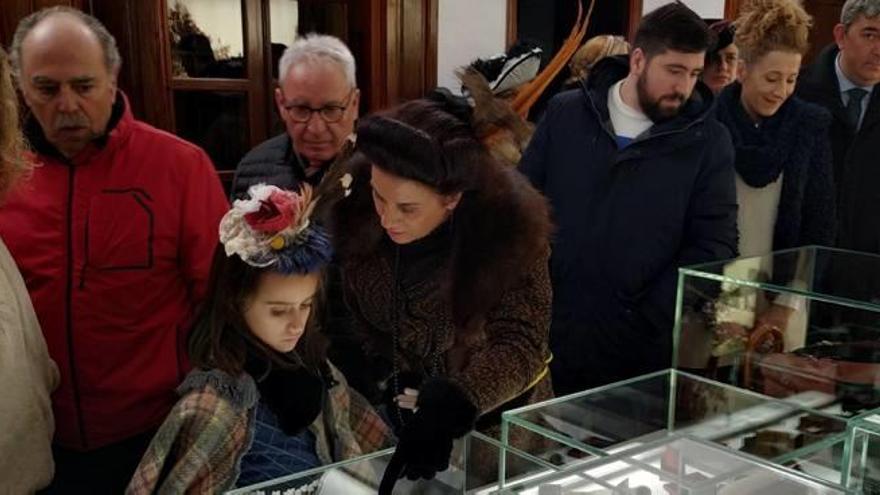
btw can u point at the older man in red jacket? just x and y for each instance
(114, 234)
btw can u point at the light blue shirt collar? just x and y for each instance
(844, 82)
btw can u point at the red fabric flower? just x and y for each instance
(276, 213)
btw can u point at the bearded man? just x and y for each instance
(641, 181)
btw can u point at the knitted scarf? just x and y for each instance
(762, 150)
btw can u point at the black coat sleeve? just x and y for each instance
(534, 161)
(710, 232)
(818, 213)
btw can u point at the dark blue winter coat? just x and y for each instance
(626, 220)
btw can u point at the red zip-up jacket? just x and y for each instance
(115, 247)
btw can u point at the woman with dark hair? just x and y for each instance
(784, 182)
(262, 400)
(722, 59)
(444, 255)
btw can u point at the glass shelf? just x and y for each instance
(475, 469)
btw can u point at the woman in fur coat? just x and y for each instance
(443, 254)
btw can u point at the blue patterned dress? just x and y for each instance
(274, 453)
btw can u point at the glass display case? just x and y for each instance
(678, 465)
(803, 431)
(784, 324)
(673, 465)
(863, 468)
(476, 465)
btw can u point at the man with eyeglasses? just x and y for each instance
(317, 97)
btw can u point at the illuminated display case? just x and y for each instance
(801, 432)
(678, 465)
(790, 322)
(475, 469)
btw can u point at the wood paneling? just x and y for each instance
(371, 43)
(140, 35)
(411, 48)
(430, 43)
(12, 11)
(512, 7)
(635, 15)
(393, 49)
(731, 9)
(826, 14)
(255, 44)
(210, 84)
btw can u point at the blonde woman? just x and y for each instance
(784, 181)
(594, 50)
(27, 374)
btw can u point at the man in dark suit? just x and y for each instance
(843, 79)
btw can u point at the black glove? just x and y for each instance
(425, 443)
(296, 396)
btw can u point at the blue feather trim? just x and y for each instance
(308, 255)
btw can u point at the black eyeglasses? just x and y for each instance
(330, 113)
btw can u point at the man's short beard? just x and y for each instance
(651, 107)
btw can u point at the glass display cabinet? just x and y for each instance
(784, 324)
(476, 465)
(803, 431)
(677, 465)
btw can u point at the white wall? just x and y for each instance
(468, 29)
(707, 9)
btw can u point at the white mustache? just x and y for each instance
(70, 120)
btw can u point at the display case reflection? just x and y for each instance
(800, 432)
(795, 321)
(678, 465)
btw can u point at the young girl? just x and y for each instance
(262, 400)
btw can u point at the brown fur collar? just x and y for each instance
(500, 231)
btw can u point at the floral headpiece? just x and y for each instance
(272, 229)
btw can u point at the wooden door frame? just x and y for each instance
(512, 21)
(391, 44)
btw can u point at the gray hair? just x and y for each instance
(112, 59)
(316, 48)
(852, 9)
